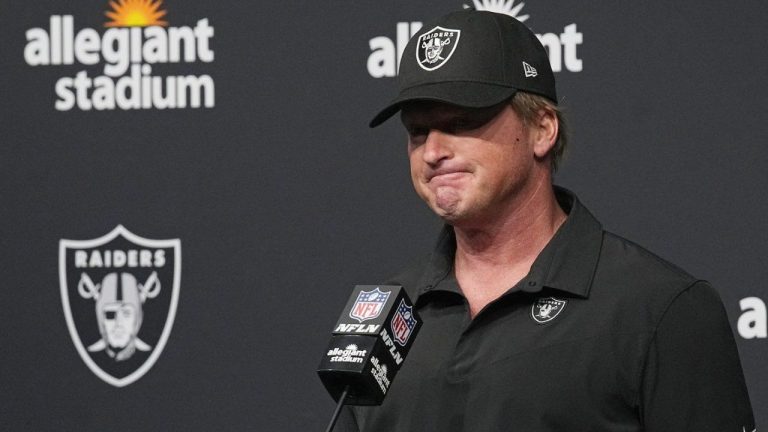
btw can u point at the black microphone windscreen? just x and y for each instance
(369, 344)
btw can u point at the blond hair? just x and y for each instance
(528, 106)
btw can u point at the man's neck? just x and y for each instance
(493, 256)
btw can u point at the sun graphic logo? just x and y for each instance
(137, 38)
(506, 7)
(135, 13)
(562, 47)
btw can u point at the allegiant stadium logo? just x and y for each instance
(136, 37)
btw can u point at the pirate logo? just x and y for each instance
(119, 294)
(118, 311)
(545, 310)
(435, 47)
(369, 304)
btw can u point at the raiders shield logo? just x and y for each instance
(435, 47)
(119, 294)
(545, 310)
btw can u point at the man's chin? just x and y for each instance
(451, 216)
(446, 204)
(459, 217)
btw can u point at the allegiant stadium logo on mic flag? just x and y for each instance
(119, 293)
(369, 304)
(403, 323)
(137, 37)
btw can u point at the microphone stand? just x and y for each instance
(336, 413)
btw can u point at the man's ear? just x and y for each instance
(544, 130)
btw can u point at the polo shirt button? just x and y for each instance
(531, 283)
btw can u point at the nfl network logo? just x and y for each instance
(403, 323)
(369, 304)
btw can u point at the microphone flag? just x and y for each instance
(369, 343)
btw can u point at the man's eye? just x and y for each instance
(110, 315)
(415, 133)
(459, 125)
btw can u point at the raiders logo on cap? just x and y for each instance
(545, 310)
(435, 47)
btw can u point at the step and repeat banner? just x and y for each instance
(190, 190)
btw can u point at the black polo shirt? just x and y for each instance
(601, 335)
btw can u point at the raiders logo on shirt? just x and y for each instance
(546, 309)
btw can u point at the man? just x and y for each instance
(534, 318)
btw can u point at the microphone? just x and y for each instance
(369, 344)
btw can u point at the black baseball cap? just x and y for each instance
(473, 59)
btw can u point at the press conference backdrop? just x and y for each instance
(208, 166)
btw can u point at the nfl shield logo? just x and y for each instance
(403, 323)
(369, 304)
(119, 293)
(435, 47)
(545, 310)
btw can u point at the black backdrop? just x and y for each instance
(283, 199)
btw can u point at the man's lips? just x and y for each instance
(445, 174)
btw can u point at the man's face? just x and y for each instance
(119, 322)
(467, 164)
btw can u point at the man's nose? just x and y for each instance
(436, 147)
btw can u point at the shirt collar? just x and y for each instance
(566, 264)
